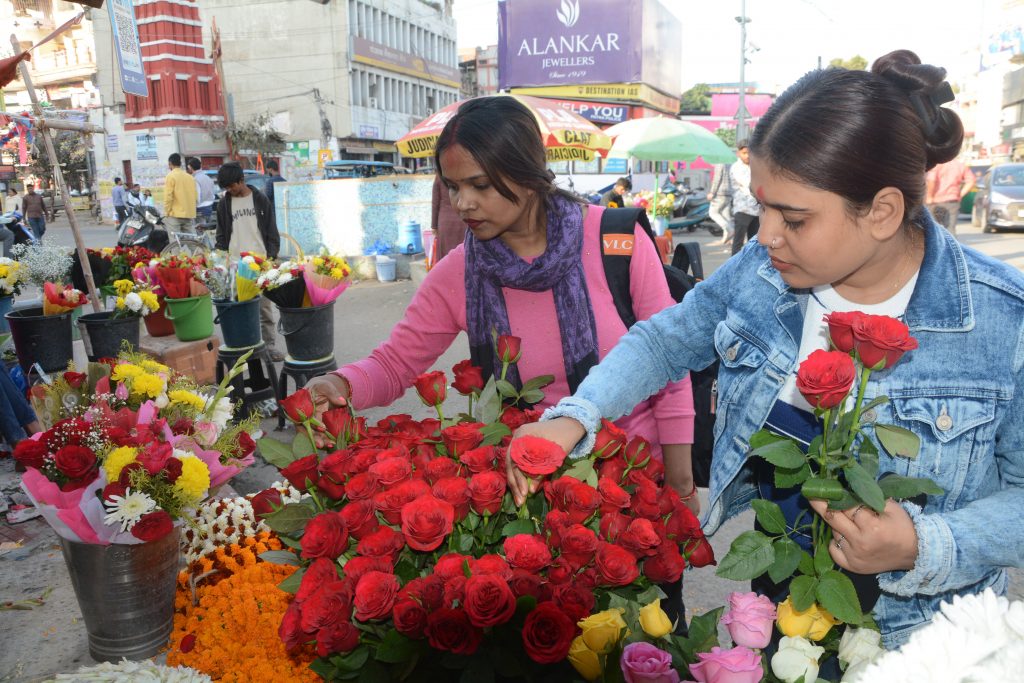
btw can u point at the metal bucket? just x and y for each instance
(126, 594)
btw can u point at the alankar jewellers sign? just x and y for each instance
(560, 42)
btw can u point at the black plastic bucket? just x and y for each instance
(239, 322)
(43, 339)
(308, 332)
(102, 334)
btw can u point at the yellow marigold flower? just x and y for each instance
(602, 631)
(318, 261)
(813, 623)
(120, 302)
(117, 460)
(337, 273)
(148, 385)
(154, 367)
(149, 300)
(194, 481)
(123, 286)
(187, 398)
(125, 371)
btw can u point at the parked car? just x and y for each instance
(53, 201)
(354, 168)
(253, 179)
(999, 202)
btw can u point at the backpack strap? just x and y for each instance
(618, 233)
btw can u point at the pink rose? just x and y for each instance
(750, 619)
(738, 665)
(205, 433)
(643, 663)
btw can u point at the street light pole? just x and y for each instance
(741, 109)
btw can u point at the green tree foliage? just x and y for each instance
(696, 100)
(71, 151)
(255, 135)
(728, 136)
(854, 63)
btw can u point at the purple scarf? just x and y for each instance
(492, 265)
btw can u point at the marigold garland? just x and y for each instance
(232, 632)
(224, 561)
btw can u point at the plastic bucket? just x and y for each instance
(103, 334)
(409, 238)
(308, 332)
(386, 268)
(192, 317)
(157, 324)
(126, 594)
(6, 303)
(239, 322)
(43, 339)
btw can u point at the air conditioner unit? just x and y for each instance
(372, 102)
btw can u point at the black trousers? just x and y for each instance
(122, 213)
(746, 228)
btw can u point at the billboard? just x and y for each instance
(368, 52)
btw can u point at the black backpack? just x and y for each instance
(687, 269)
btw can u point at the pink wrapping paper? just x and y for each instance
(318, 296)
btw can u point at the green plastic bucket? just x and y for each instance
(192, 317)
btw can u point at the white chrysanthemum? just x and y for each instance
(285, 277)
(134, 672)
(134, 302)
(128, 509)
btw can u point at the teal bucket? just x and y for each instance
(6, 303)
(192, 317)
(239, 322)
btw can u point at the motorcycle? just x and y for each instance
(143, 227)
(691, 210)
(22, 232)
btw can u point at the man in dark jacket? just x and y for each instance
(616, 197)
(273, 176)
(246, 222)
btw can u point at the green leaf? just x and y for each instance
(374, 672)
(465, 543)
(302, 446)
(835, 592)
(782, 453)
(289, 518)
(825, 489)
(702, 635)
(787, 558)
(874, 403)
(395, 648)
(406, 571)
(478, 671)
(844, 502)
(525, 604)
(786, 478)
(749, 556)
(290, 542)
(763, 437)
(488, 406)
(532, 396)
(868, 457)
(538, 382)
(276, 453)
(900, 488)
(580, 469)
(769, 515)
(280, 557)
(822, 560)
(505, 388)
(806, 565)
(353, 661)
(324, 669)
(472, 521)
(898, 441)
(518, 526)
(865, 486)
(494, 433)
(291, 584)
(801, 591)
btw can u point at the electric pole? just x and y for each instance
(741, 109)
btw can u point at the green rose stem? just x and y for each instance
(311, 490)
(855, 424)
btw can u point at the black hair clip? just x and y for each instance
(928, 111)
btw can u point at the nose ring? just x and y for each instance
(774, 240)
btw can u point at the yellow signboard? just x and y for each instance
(323, 156)
(568, 154)
(637, 92)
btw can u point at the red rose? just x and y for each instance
(246, 446)
(492, 564)
(640, 538)
(362, 486)
(441, 468)
(154, 456)
(615, 565)
(526, 583)
(329, 605)
(666, 566)
(75, 379)
(320, 572)
(299, 406)
(479, 459)
(486, 491)
(637, 452)
(547, 634)
(360, 518)
(340, 636)
(450, 565)
(331, 473)
(31, 452)
(410, 618)
(514, 418)
(426, 590)
(266, 501)
(375, 595)
(182, 425)
(454, 591)
(825, 378)
(576, 601)
(383, 542)
(125, 478)
(613, 468)
(172, 470)
(390, 502)
(840, 329)
(461, 438)
(153, 526)
(528, 552)
(881, 341)
(580, 501)
(682, 524)
(290, 631)
(325, 536)
(75, 462)
(360, 565)
(338, 421)
(449, 630)
(432, 387)
(699, 553)
(560, 572)
(555, 522)
(613, 496)
(391, 471)
(454, 490)
(112, 489)
(489, 601)
(468, 378)
(578, 545)
(535, 456)
(426, 522)
(610, 439)
(509, 348)
(302, 472)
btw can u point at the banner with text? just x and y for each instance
(126, 42)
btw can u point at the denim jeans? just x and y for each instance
(15, 411)
(38, 226)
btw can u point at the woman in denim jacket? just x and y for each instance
(839, 168)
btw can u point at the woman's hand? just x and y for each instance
(328, 391)
(866, 542)
(564, 431)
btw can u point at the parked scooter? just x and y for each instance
(143, 228)
(13, 221)
(691, 210)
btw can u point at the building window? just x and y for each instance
(204, 97)
(182, 94)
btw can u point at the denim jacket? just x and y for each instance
(960, 391)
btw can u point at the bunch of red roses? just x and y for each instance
(415, 551)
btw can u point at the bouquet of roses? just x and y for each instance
(134, 300)
(10, 277)
(416, 561)
(284, 284)
(59, 298)
(326, 276)
(179, 276)
(840, 466)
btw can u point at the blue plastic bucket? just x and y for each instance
(386, 268)
(239, 322)
(410, 240)
(6, 304)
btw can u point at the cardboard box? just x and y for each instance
(197, 359)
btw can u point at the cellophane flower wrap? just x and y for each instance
(58, 298)
(10, 276)
(841, 466)
(326, 276)
(415, 558)
(284, 284)
(179, 276)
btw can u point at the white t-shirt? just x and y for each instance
(245, 231)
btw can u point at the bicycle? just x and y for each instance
(190, 244)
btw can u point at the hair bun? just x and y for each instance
(926, 89)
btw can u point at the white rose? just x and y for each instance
(859, 645)
(796, 657)
(271, 274)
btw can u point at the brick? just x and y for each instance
(197, 359)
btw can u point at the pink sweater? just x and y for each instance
(437, 314)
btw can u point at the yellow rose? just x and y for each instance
(813, 623)
(117, 460)
(602, 631)
(586, 661)
(654, 621)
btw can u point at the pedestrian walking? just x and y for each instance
(273, 176)
(720, 197)
(744, 206)
(947, 184)
(34, 210)
(118, 195)
(205, 191)
(179, 197)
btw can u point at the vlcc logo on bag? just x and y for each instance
(618, 244)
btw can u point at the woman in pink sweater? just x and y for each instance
(531, 267)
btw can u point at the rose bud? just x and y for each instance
(299, 406)
(509, 348)
(469, 378)
(431, 387)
